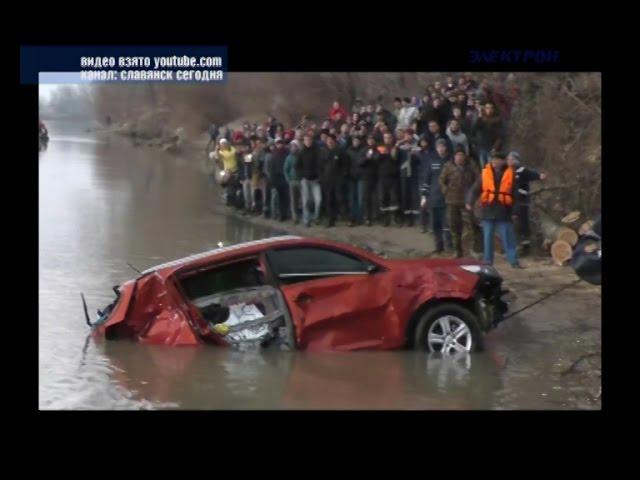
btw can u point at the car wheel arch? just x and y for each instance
(467, 303)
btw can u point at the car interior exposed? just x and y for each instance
(239, 307)
(245, 273)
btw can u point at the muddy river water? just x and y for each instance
(104, 203)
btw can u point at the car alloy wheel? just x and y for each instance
(449, 334)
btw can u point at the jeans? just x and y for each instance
(507, 237)
(356, 197)
(309, 189)
(247, 193)
(483, 156)
(294, 199)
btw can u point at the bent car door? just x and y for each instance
(337, 301)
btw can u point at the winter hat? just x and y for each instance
(515, 155)
(500, 155)
(441, 141)
(460, 149)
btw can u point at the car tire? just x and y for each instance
(432, 321)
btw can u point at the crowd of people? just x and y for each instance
(427, 158)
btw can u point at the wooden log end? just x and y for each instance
(561, 252)
(571, 217)
(568, 235)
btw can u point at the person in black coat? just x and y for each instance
(308, 169)
(389, 159)
(435, 133)
(524, 176)
(368, 169)
(356, 153)
(333, 168)
(279, 190)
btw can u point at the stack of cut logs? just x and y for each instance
(560, 238)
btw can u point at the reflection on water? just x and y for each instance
(105, 203)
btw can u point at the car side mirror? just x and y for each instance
(372, 268)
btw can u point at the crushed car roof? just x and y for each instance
(220, 251)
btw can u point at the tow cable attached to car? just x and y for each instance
(543, 298)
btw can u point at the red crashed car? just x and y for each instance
(310, 294)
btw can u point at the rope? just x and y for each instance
(543, 298)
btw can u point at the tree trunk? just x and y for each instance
(555, 231)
